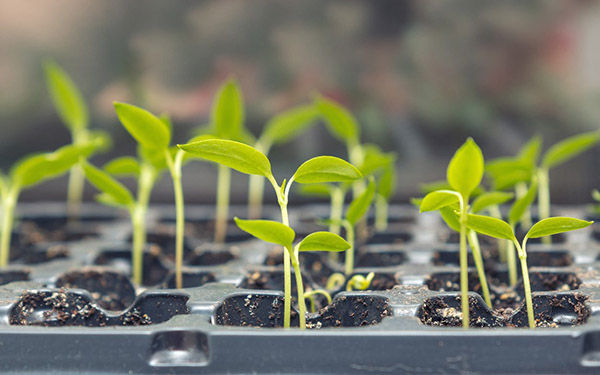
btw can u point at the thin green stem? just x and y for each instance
(544, 198)
(223, 188)
(512, 263)
(349, 261)
(299, 287)
(255, 196)
(337, 208)
(502, 243)
(138, 219)
(335, 281)
(76, 180)
(381, 213)
(526, 284)
(476, 249)
(464, 271)
(175, 169)
(521, 191)
(9, 202)
(256, 186)
(287, 271)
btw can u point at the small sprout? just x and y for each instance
(500, 229)
(357, 209)
(360, 282)
(72, 110)
(464, 174)
(30, 171)
(335, 281)
(246, 159)
(311, 297)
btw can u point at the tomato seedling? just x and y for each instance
(500, 229)
(248, 160)
(72, 110)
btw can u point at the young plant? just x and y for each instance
(153, 136)
(520, 170)
(115, 194)
(382, 166)
(464, 175)
(280, 129)
(226, 122)
(72, 110)
(28, 172)
(500, 229)
(248, 160)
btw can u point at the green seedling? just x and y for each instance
(360, 282)
(311, 297)
(153, 135)
(464, 175)
(31, 171)
(321, 169)
(226, 122)
(280, 129)
(72, 110)
(115, 194)
(500, 229)
(382, 166)
(521, 169)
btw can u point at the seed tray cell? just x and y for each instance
(68, 305)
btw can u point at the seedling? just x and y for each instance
(311, 297)
(280, 129)
(464, 175)
(72, 110)
(516, 171)
(30, 171)
(321, 169)
(360, 282)
(500, 229)
(153, 136)
(154, 156)
(227, 122)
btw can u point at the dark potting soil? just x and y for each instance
(154, 269)
(109, 289)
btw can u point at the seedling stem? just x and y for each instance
(337, 207)
(349, 261)
(464, 270)
(175, 169)
(9, 202)
(223, 188)
(138, 219)
(476, 249)
(544, 198)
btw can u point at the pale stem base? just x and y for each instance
(223, 188)
(476, 249)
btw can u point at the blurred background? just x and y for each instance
(420, 76)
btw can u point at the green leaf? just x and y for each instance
(147, 129)
(326, 169)
(569, 148)
(118, 193)
(316, 190)
(438, 199)
(35, 169)
(511, 178)
(374, 160)
(361, 204)
(492, 198)
(267, 230)
(290, 124)
(531, 151)
(157, 159)
(451, 218)
(123, 166)
(338, 120)
(465, 170)
(429, 187)
(232, 154)
(101, 139)
(323, 241)
(228, 111)
(66, 97)
(520, 206)
(490, 226)
(387, 182)
(596, 195)
(506, 172)
(555, 225)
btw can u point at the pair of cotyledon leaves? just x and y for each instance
(278, 233)
(446, 201)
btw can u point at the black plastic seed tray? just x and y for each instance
(68, 306)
